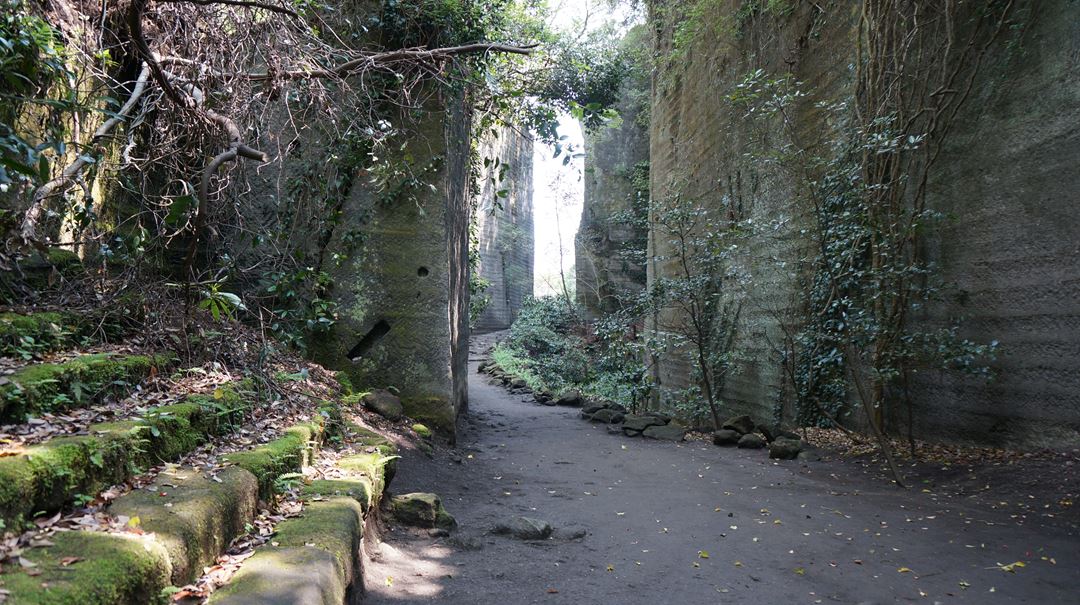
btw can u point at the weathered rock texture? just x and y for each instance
(1008, 177)
(610, 246)
(394, 251)
(504, 228)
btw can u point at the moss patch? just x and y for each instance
(315, 561)
(201, 518)
(434, 411)
(287, 454)
(57, 330)
(50, 475)
(360, 489)
(51, 387)
(112, 570)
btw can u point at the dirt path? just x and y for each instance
(801, 532)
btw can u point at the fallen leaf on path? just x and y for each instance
(69, 560)
(611, 568)
(1011, 567)
(704, 554)
(904, 570)
(800, 571)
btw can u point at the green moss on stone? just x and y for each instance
(434, 411)
(360, 489)
(59, 386)
(421, 430)
(112, 570)
(201, 518)
(49, 475)
(287, 454)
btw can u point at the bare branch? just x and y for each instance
(414, 55)
(245, 3)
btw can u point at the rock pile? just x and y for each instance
(738, 431)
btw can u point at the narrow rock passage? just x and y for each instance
(690, 523)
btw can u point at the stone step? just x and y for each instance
(54, 387)
(188, 519)
(46, 477)
(23, 335)
(317, 557)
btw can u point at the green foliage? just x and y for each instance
(31, 61)
(220, 304)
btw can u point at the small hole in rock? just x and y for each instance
(422, 272)
(373, 336)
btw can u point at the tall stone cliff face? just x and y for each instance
(504, 227)
(1007, 182)
(611, 241)
(394, 252)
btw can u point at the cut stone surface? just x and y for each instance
(421, 509)
(53, 387)
(113, 569)
(668, 432)
(316, 560)
(287, 454)
(192, 516)
(742, 424)
(751, 442)
(48, 476)
(523, 528)
(784, 448)
(640, 423)
(384, 403)
(726, 437)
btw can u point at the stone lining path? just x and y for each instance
(690, 523)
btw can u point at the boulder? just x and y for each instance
(743, 424)
(591, 409)
(726, 437)
(421, 510)
(542, 396)
(607, 416)
(617, 408)
(570, 399)
(667, 432)
(785, 449)
(630, 432)
(661, 417)
(809, 454)
(751, 441)
(384, 403)
(519, 383)
(640, 423)
(523, 528)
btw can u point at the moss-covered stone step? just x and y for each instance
(316, 560)
(193, 516)
(50, 475)
(286, 455)
(189, 520)
(88, 568)
(51, 387)
(25, 334)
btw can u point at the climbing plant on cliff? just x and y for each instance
(866, 181)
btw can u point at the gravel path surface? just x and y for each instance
(691, 523)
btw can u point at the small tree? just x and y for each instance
(696, 298)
